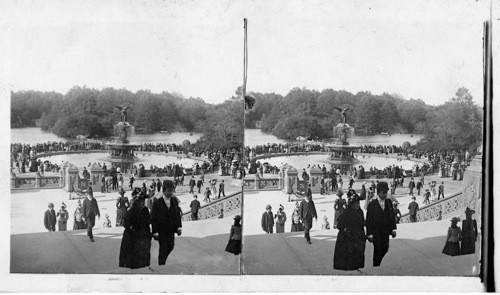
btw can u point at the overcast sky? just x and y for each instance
(425, 49)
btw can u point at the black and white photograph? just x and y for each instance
(246, 146)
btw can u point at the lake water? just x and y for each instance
(82, 160)
(34, 135)
(301, 162)
(255, 137)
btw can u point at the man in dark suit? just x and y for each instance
(267, 221)
(192, 183)
(90, 210)
(195, 207)
(380, 223)
(221, 189)
(411, 186)
(158, 184)
(49, 219)
(199, 183)
(412, 209)
(307, 211)
(166, 220)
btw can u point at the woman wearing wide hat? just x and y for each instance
(135, 249)
(349, 253)
(452, 246)
(122, 204)
(339, 206)
(469, 233)
(234, 244)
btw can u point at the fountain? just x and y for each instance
(122, 151)
(342, 156)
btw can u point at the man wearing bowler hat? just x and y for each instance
(380, 223)
(166, 220)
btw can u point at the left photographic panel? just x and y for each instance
(137, 171)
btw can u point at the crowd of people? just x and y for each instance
(449, 163)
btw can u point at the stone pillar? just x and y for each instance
(290, 180)
(96, 173)
(472, 189)
(71, 179)
(12, 180)
(38, 179)
(257, 181)
(315, 179)
(63, 173)
(280, 182)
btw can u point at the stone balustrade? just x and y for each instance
(229, 204)
(258, 183)
(36, 181)
(431, 212)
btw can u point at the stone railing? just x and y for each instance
(36, 181)
(229, 204)
(269, 183)
(431, 212)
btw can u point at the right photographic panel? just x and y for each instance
(364, 139)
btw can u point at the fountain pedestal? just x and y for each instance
(342, 156)
(121, 150)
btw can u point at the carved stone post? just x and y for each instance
(96, 173)
(12, 180)
(71, 183)
(315, 180)
(290, 180)
(38, 179)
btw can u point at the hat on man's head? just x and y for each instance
(168, 184)
(353, 199)
(237, 217)
(121, 191)
(455, 219)
(268, 207)
(136, 191)
(51, 205)
(469, 211)
(382, 186)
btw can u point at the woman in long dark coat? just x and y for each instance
(349, 251)
(339, 206)
(122, 205)
(469, 233)
(135, 249)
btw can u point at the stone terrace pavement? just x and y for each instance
(200, 250)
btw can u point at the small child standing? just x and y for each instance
(452, 246)
(234, 244)
(427, 195)
(107, 221)
(326, 224)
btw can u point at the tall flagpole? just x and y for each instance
(243, 160)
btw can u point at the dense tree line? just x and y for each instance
(457, 124)
(92, 113)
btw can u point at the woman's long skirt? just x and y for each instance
(135, 249)
(349, 253)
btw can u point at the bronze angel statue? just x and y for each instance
(124, 112)
(343, 112)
